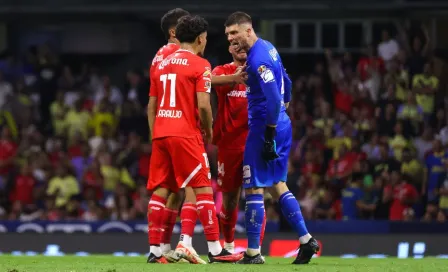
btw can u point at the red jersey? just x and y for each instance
(400, 193)
(8, 150)
(163, 52)
(175, 82)
(23, 190)
(365, 63)
(231, 124)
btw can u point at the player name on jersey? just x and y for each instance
(237, 93)
(169, 113)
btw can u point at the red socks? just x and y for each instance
(168, 222)
(156, 208)
(207, 216)
(188, 218)
(228, 221)
(263, 228)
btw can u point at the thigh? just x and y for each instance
(160, 167)
(230, 169)
(256, 171)
(190, 162)
(283, 141)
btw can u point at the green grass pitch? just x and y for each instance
(98, 263)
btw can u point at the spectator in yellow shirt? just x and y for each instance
(412, 167)
(398, 143)
(62, 186)
(77, 121)
(114, 175)
(426, 85)
(100, 117)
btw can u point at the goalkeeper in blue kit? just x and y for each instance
(268, 143)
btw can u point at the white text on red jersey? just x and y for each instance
(236, 93)
(175, 61)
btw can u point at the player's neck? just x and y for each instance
(188, 47)
(251, 41)
(173, 40)
(237, 63)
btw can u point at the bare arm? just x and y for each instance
(151, 110)
(239, 77)
(205, 114)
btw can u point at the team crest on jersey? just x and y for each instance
(261, 69)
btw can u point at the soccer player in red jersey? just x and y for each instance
(179, 106)
(229, 135)
(188, 213)
(168, 25)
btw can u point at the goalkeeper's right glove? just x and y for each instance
(269, 152)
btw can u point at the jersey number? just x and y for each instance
(172, 79)
(221, 168)
(207, 164)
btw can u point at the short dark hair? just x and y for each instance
(169, 20)
(238, 18)
(190, 27)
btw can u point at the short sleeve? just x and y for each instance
(153, 86)
(218, 71)
(204, 77)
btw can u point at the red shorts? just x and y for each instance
(177, 162)
(230, 169)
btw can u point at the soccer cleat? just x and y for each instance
(306, 252)
(154, 259)
(172, 257)
(225, 257)
(188, 253)
(257, 259)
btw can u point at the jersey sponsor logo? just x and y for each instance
(169, 114)
(267, 76)
(236, 93)
(175, 61)
(208, 85)
(156, 59)
(274, 54)
(246, 171)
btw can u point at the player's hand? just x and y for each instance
(208, 136)
(240, 76)
(269, 152)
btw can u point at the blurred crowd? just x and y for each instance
(370, 138)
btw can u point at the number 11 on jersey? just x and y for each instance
(172, 81)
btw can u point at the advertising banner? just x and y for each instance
(275, 244)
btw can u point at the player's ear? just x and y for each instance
(172, 32)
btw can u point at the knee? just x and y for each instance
(254, 191)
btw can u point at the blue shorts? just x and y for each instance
(256, 171)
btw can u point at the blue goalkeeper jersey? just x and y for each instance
(269, 87)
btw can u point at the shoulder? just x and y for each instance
(223, 69)
(169, 49)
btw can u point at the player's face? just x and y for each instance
(240, 55)
(238, 35)
(202, 42)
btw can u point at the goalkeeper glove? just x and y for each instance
(269, 152)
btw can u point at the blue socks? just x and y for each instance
(254, 219)
(291, 210)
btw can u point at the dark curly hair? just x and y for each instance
(238, 18)
(190, 27)
(169, 20)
